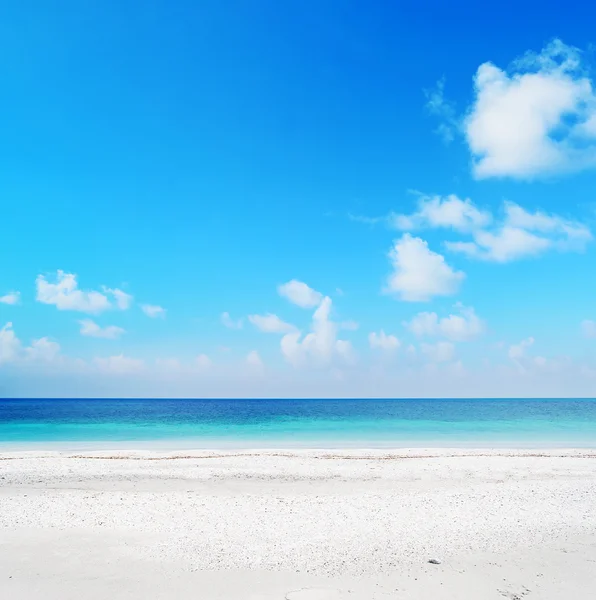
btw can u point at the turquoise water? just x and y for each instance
(297, 423)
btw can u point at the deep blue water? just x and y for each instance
(307, 423)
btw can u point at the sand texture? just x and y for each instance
(299, 525)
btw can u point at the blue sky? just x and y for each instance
(408, 190)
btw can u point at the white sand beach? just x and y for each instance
(298, 525)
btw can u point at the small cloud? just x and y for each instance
(462, 327)
(11, 298)
(65, 295)
(523, 234)
(382, 341)
(419, 274)
(270, 324)
(449, 212)
(10, 345)
(320, 346)
(517, 351)
(438, 105)
(92, 329)
(43, 350)
(300, 294)
(123, 300)
(228, 322)
(153, 311)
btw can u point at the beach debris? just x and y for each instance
(434, 561)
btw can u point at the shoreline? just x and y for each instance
(194, 445)
(359, 453)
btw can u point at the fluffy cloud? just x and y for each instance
(65, 295)
(588, 329)
(10, 345)
(383, 341)
(300, 294)
(123, 300)
(459, 328)
(42, 350)
(228, 322)
(119, 365)
(537, 118)
(439, 352)
(419, 274)
(153, 311)
(92, 329)
(517, 351)
(319, 347)
(271, 323)
(514, 234)
(10, 298)
(448, 212)
(523, 234)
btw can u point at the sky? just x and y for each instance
(297, 199)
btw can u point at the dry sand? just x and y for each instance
(300, 525)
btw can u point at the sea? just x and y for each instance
(309, 423)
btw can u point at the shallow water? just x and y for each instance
(299, 423)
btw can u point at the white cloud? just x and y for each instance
(383, 341)
(11, 298)
(319, 347)
(439, 352)
(43, 350)
(10, 345)
(271, 323)
(65, 295)
(517, 351)
(300, 294)
(505, 245)
(419, 273)
(588, 328)
(438, 105)
(458, 328)
(119, 365)
(516, 234)
(123, 300)
(228, 322)
(535, 119)
(523, 234)
(446, 212)
(153, 311)
(92, 329)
